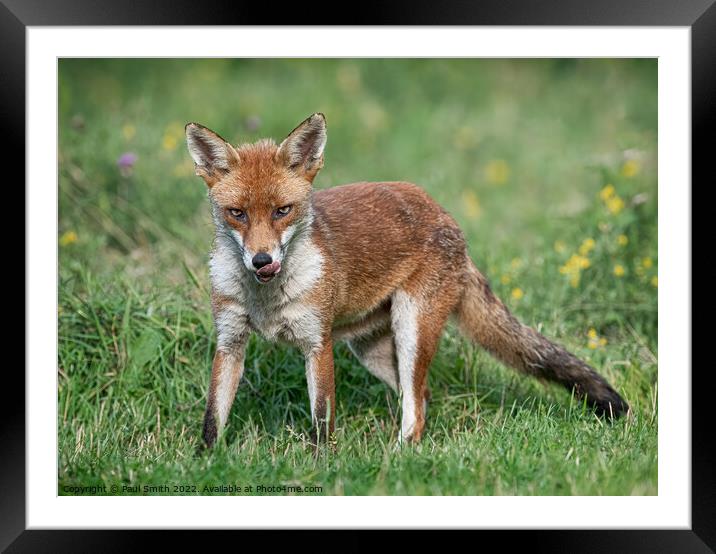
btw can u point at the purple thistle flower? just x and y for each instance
(126, 163)
(127, 159)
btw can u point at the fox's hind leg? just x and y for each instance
(377, 354)
(418, 321)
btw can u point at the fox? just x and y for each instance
(380, 266)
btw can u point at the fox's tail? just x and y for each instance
(486, 320)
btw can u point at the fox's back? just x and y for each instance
(378, 234)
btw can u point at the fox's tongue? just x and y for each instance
(269, 269)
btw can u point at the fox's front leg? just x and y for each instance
(321, 389)
(227, 369)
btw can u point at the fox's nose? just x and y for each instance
(261, 259)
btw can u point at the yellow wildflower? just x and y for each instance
(505, 279)
(517, 293)
(583, 262)
(630, 168)
(622, 240)
(67, 238)
(594, 339)
(573, 267)
(497, 172)
(172, 134)
(128, 131)
(615, 205)
(619, 270)
(587, 246)
(471, 204)
(647, 262)
(575, 263)
(607, 192)
(169, 142)
(559, 246)
(655, 281)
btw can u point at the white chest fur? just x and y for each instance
(294, 322)
(277, 310)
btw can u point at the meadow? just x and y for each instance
(549, 166)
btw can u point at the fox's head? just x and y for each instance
(260, 193)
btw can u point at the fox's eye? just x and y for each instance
(238, 214)
(282, 211)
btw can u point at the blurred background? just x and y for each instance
(549, 166)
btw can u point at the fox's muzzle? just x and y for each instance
(266, 272)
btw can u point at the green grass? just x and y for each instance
(520, 152)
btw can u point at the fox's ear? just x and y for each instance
(213, 156)
(302, 149)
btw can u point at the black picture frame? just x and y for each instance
(699, 15)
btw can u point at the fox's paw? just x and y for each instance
(320, 439)
(210, 430)
(407, 440)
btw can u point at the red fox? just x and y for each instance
(379, 265)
